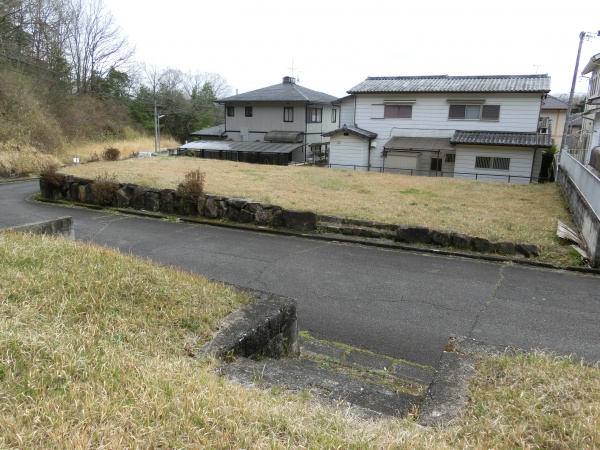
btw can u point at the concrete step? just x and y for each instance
(374, 385)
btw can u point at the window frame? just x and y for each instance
(248, 111)
(288, 113)
(493, 163)
(333, 115)
(486, 113)
(438, 164)
(318, 116)
(231, 111)
(388, 111)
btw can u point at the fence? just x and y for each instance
(439, 173)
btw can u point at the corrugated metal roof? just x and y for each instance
(284, 136)
(446, 83)
(245, 147)
(283, 92)
(352, 130)
(512, 139)
(418, 143)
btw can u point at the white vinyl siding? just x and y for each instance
(348, 152)
(518, 112)
(519, 169)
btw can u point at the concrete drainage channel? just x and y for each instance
(260, 347)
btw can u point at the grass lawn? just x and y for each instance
(496, 211)
(94, 353)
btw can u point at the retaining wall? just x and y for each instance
(246, 211)
(62, 226)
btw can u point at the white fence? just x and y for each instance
(586, 181)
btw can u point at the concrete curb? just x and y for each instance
(60, 226)
(446, 398)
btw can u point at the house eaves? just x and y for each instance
(593, 64)
(364, 134)
(510, 139)
(454, 84)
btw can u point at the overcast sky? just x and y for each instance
(334, 45)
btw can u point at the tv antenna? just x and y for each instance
(292, 69)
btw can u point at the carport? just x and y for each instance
(251, 152)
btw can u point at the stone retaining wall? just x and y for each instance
(246, 211)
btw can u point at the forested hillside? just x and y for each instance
(68, 74)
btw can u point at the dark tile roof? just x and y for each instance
(282, 92)
(554, 103)
(512, 139)
(352, 130)
(446, 83)
(212, 131)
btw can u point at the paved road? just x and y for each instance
(404, 304)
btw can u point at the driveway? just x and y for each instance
(400, 303)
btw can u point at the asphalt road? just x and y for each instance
(403, 304)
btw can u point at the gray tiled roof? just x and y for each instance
(446, 83)
(283, 92)
(352, 130)
(212, 131)
(554, 103)
(512, 139)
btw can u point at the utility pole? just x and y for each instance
(582, 36)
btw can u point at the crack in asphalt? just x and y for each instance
(489, 301)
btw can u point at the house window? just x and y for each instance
(450, 157)
(314, 115)
(436, 164)
(248, 111)
(288, 114)
(474, 112)
(397, 111)
(230, 111)
(333, 115)
(492, 163)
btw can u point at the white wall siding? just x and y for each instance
(348, 152)
(518, 112)
(347, 113)
(520, 163)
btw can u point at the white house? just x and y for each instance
(282, 114)
(590, 132)
(479, 127)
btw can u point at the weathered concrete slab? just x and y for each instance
(268, 327)
(61, 226)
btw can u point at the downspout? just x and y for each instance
(532, 165)
(369, 156)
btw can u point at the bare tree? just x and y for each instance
(95, 43)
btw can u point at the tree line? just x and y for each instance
(71, 62)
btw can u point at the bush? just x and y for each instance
(50, 175)
(111, 154)
(104, 189)
(192, 187)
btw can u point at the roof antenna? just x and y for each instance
(292, 69)
(537, 67)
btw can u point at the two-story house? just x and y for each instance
(590, 132)
(478, 127)
(285, 119)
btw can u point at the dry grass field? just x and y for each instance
(94, 353)
(496, 211)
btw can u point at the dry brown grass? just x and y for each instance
(496, 211)
(23, 160)
(128, 147)
(94, 353)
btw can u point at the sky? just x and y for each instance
(331, 46)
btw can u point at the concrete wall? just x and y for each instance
(582, 190)
(61, 226)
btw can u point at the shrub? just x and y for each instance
(104, 189)
(93, 157)
(50, 175)
(112, 154)
(192, 187)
